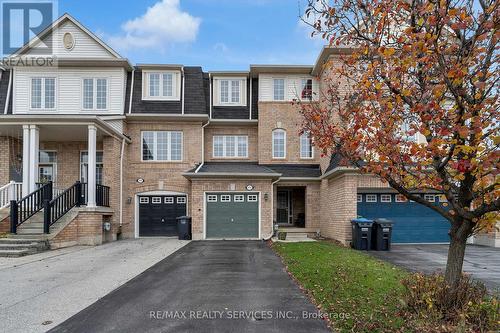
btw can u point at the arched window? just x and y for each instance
(306, 147)
(279, 143)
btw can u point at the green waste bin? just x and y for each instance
(361, 234)
(381, 235)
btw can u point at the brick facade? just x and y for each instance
(273, 115)
(200, 186)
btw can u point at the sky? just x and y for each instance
(214, 34)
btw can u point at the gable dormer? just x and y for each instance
(86, 77)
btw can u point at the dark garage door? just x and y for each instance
(158, 214)
(413, 222)
(232, 215)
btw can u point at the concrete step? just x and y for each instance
(20, 240)
(15, 253)
(23, 246)
(37, 236)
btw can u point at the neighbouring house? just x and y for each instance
(95, 148)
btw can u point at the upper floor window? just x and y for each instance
(161, 146)
(279, 89)
(306, 147)
(230, 146)
(161, 85)
(43, 93)
(307, 89)
(95, 94)
(279, 143)
(230, 91)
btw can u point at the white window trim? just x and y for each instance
(97, 163)
(285, 97)
(157, 199)
(225, 198)
(272, 143)
(382, 196)
(302, 88)
(176, 85)
(239, 198)
(155, 144)
(224, 145)
(212, 198)
(144, 200)
(300, 148)
(427, 197)
(169, 200)
(252, 198)
(243, 88)
(94, 92)
(30, 90)
(181, 200)
(373, 196)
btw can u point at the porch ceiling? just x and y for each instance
(56, 132)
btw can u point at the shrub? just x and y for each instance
(470, 308)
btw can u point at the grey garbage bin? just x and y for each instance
(361, 234)
(184, 227)
(382, 231)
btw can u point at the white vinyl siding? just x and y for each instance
(69, 89)
(230, 146)
(161, 85)
(229, 91)
(293, 87)
(85, 46)
(162, 146)
(279, 143)
(43, 93)
(306, 147)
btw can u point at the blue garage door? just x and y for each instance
(413, 222)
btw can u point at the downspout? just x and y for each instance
(131, 91)
(210, 93)
(121, 181)
(7, 100)
(250, 103)
(183, 78)
(202, 146)
(272, 211)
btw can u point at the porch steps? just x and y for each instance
(18, 247)
(298, 234)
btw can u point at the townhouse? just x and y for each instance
(94, 149)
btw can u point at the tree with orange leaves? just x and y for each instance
(425, 68)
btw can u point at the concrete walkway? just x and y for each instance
(482, 262)
(40, 291)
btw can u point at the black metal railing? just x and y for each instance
(56, 208)
(22, 210)
(102, 195)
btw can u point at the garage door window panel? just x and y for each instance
(253, 198)
(181, 200)
(225, 198)
(212, 198)
(371, 198)
(385, 198)
(239, 198)
(169, 200)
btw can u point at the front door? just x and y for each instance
(284, 207)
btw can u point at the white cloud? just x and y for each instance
(164, 23)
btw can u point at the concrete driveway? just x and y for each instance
(480, 261)
(207, 286)
(40, 291)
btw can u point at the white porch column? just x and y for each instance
(34, 155)
(26, 160)
(91, 166)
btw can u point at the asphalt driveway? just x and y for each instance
(482, 262)
(207, 286)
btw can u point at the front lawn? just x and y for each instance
(344, 282)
